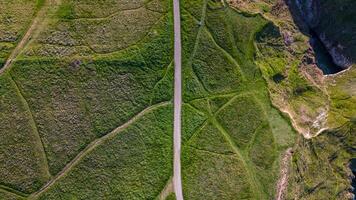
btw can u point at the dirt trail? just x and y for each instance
(167, 190)
(92, 146)
(177, 180)
(36, 23)
(283, 177)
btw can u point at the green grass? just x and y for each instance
(305, 100)
(135, 163)
(235, 153)
(320, 165)
(9, 196)
(79, 99)
(210, 65)
(242, 118)
(343, 98)
(66, 11)
(208, 139)
(23, 162)
(190, 121)
(163, 89)
(15, 18)
(74, 33)
(213, 176)
(74, 105)
(39, 4)
(80, 84)
(171, 197)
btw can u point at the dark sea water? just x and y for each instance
(323, 58)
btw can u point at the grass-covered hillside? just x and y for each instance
(86, 108)
(86, 102)
(233, 138)
(320, 165)
(321, 106)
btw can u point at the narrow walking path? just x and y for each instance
(177, 180)
(167, 190)
(25, 39)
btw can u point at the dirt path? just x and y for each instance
(36, 25)
(283, 177)
(167, 190)
(177, 180)
(92, 146)
(24, 39)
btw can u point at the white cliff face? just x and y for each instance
(310, 11)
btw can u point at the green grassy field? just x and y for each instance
(14, 21)
(82, 75)
(9, 196)
(134, 163)
(235, 151)
(86, 107)
(23, 160)
(78, 99)
(343, 98)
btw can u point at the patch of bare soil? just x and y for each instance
(167, 190)
(284, 172)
